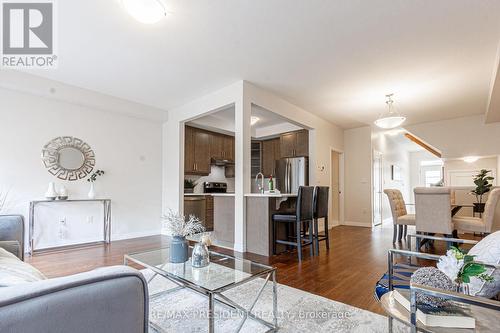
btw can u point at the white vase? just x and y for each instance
(91, 194)
(51, 193)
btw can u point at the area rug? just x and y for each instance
(298, 311)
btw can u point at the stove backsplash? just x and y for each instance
(216, 175)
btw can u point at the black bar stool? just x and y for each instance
(303, 216)
(320, 202)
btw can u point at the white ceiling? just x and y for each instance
(334, 58)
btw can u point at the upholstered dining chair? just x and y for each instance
(433, 211)
(483, 224)
(400, 216)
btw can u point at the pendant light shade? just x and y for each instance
(391, 118)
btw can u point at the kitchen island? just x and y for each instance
(260, 208)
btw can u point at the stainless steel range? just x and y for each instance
(214, 187)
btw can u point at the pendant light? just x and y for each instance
(391, 118)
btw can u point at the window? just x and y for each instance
(432, 177)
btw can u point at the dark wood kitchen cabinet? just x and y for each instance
(221, 146)
(209, 213)
(294, 144)
(197, 151)
(228, 147)
(270, 153)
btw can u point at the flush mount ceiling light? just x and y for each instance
(145, 11)
(391, 118)
(470, 159)
(254, 120)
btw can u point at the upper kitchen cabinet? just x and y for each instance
(270, 153)
(294, 144)
(196, 151)
(216, 146)
(221, 146)
(228, 147)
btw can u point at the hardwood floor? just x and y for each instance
(346, 273)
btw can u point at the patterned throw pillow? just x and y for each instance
(14, 271)
(488, 252)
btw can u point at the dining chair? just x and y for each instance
(400, 216)
(483, 224)
(433, 211)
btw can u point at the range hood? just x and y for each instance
(221, 162)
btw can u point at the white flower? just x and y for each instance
(450, 265)
(177, 224)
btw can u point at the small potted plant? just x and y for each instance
(189, 185)
(179, 228)
(483, 186)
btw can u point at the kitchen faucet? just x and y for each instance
(261, 185)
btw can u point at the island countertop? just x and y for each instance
(271, 195)
(209, 194)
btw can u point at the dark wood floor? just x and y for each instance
(346, 273)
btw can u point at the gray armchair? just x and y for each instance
(12, 234)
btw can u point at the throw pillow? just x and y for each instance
(14, 271)
(488, 252)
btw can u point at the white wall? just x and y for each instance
(488, 163)
(459, 137)
(129, 149)
(392, 154)
(357, 176)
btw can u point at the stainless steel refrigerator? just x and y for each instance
(292, 173)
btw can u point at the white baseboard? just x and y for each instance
(135, 235)
(357, 224)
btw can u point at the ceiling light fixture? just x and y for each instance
(254, 120)
(145, 11)
(390, 119)
(470, 159)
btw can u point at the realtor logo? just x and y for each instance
(28, 34)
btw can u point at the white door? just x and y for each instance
(335, 188)
(377, 188)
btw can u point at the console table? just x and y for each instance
(106, 237)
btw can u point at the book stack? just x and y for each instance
(452, 316)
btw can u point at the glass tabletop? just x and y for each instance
(223, 271)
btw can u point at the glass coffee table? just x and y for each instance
(226, 272)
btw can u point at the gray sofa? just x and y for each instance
(12, 234)
(109, 299)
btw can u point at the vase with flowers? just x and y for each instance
(91, 180)
(180, 227)
(460, 267)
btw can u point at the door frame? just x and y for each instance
(379, 155)
(341, 183)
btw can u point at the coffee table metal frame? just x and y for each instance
(409, 318)
(216, 295)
